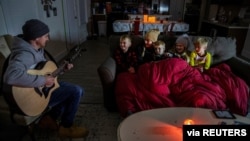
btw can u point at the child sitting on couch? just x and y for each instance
(200, 58)
(180, 48)
(159, 50)
(125, 56)
(146, 52)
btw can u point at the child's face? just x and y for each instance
(159, 50)
(200, 48)
(148, 43)
(179, 48)
(125, 45)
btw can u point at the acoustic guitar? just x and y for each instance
(33, 101)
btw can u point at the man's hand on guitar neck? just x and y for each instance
(49, 80)
(68, 67)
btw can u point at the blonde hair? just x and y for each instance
(159, 43)
(201, 41)
(126, 36)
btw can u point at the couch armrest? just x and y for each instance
(107, 71)
(107, 74)
(240, 67)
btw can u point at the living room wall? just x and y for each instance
(66, 29)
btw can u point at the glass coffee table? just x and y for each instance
(165, 124)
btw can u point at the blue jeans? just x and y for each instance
(65, 101)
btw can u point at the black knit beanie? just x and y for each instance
(33, 29)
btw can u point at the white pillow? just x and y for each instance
(222, 48)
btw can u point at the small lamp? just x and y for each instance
(145, 18)
(151, 19)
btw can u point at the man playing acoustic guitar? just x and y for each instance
(32, 88)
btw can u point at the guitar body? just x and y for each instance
(33, 101)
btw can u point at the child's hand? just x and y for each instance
(200, 68)
(169, 54)
(68, 67)
(131, 69)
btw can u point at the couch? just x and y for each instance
(7, 118)
(223, 50)
(5, 42)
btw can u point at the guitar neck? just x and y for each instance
(59, 70)
(73, 56)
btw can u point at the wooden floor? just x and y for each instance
(102, 124)
(92, 114)
(85, 73)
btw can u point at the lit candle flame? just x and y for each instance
(188, 122)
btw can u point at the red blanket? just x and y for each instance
(172, 82)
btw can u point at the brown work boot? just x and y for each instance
(72, 132)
